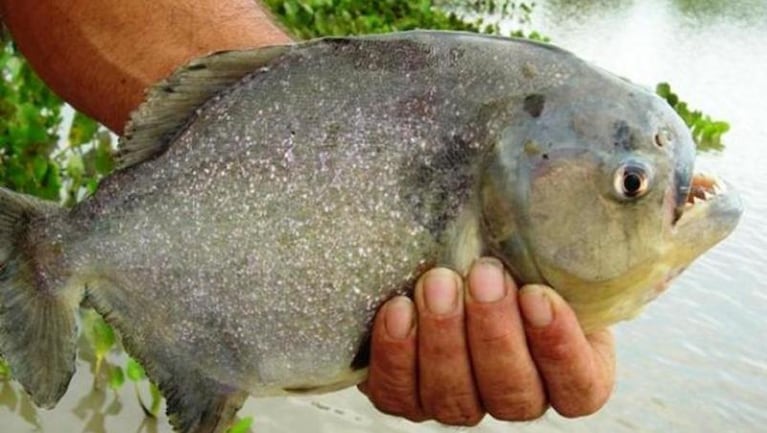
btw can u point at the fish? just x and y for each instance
(268, 201)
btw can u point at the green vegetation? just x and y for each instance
(307, 19)
(242, 426)
(44, 155)
(29, 117)
(706, 131)
(31, 125)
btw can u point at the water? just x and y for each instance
(696, 360)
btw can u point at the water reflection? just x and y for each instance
(18, 403)
(700, 12)
(705, 11)
(582, 9)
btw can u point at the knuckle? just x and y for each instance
(457, 410)
(588, 403)
(395, 405)
(496, 337)
(392, 370)
(523, 400)
(392, 386)
(556, 351)
(463, 420)
(517, 408)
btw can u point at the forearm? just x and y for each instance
(101, 55)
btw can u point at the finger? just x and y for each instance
(506, 375)
(578, 371)
(446, 384)
(392, 383)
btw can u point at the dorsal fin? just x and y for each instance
(170, 103)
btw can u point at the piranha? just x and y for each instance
(268, 201)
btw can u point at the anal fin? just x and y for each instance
(196, 402)
(197, 405)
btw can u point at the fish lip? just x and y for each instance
(709, 197)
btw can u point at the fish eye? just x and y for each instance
(631, 181)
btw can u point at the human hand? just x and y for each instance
(488, 349)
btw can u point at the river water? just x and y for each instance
(696, 360)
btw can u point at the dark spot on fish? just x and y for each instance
(623, 137)
(440, 181)
(454, 56)
(169, 89)
(197, 67)
(534, 104)
(545, 156)
(529, 71)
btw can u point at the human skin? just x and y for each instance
(465, 347)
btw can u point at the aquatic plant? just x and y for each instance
(706, 131)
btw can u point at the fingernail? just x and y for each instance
(399, 317)
(486, 283)
(535, 305)
(440, 292)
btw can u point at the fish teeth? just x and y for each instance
(720, 188)
(708, 195)
(697, 200)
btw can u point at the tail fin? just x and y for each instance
(38, 327)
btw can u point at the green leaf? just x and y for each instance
(104, 161)
(83, 130)
(290, 9)
(241, 426)
(5, 370)
(40, 167)
(154, 407)
(116, 377)
(706, 132)
(134, 370)
(99, 333)
(75, 166)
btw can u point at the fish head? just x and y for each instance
(590, 189)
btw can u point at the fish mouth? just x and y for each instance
(708, 196)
